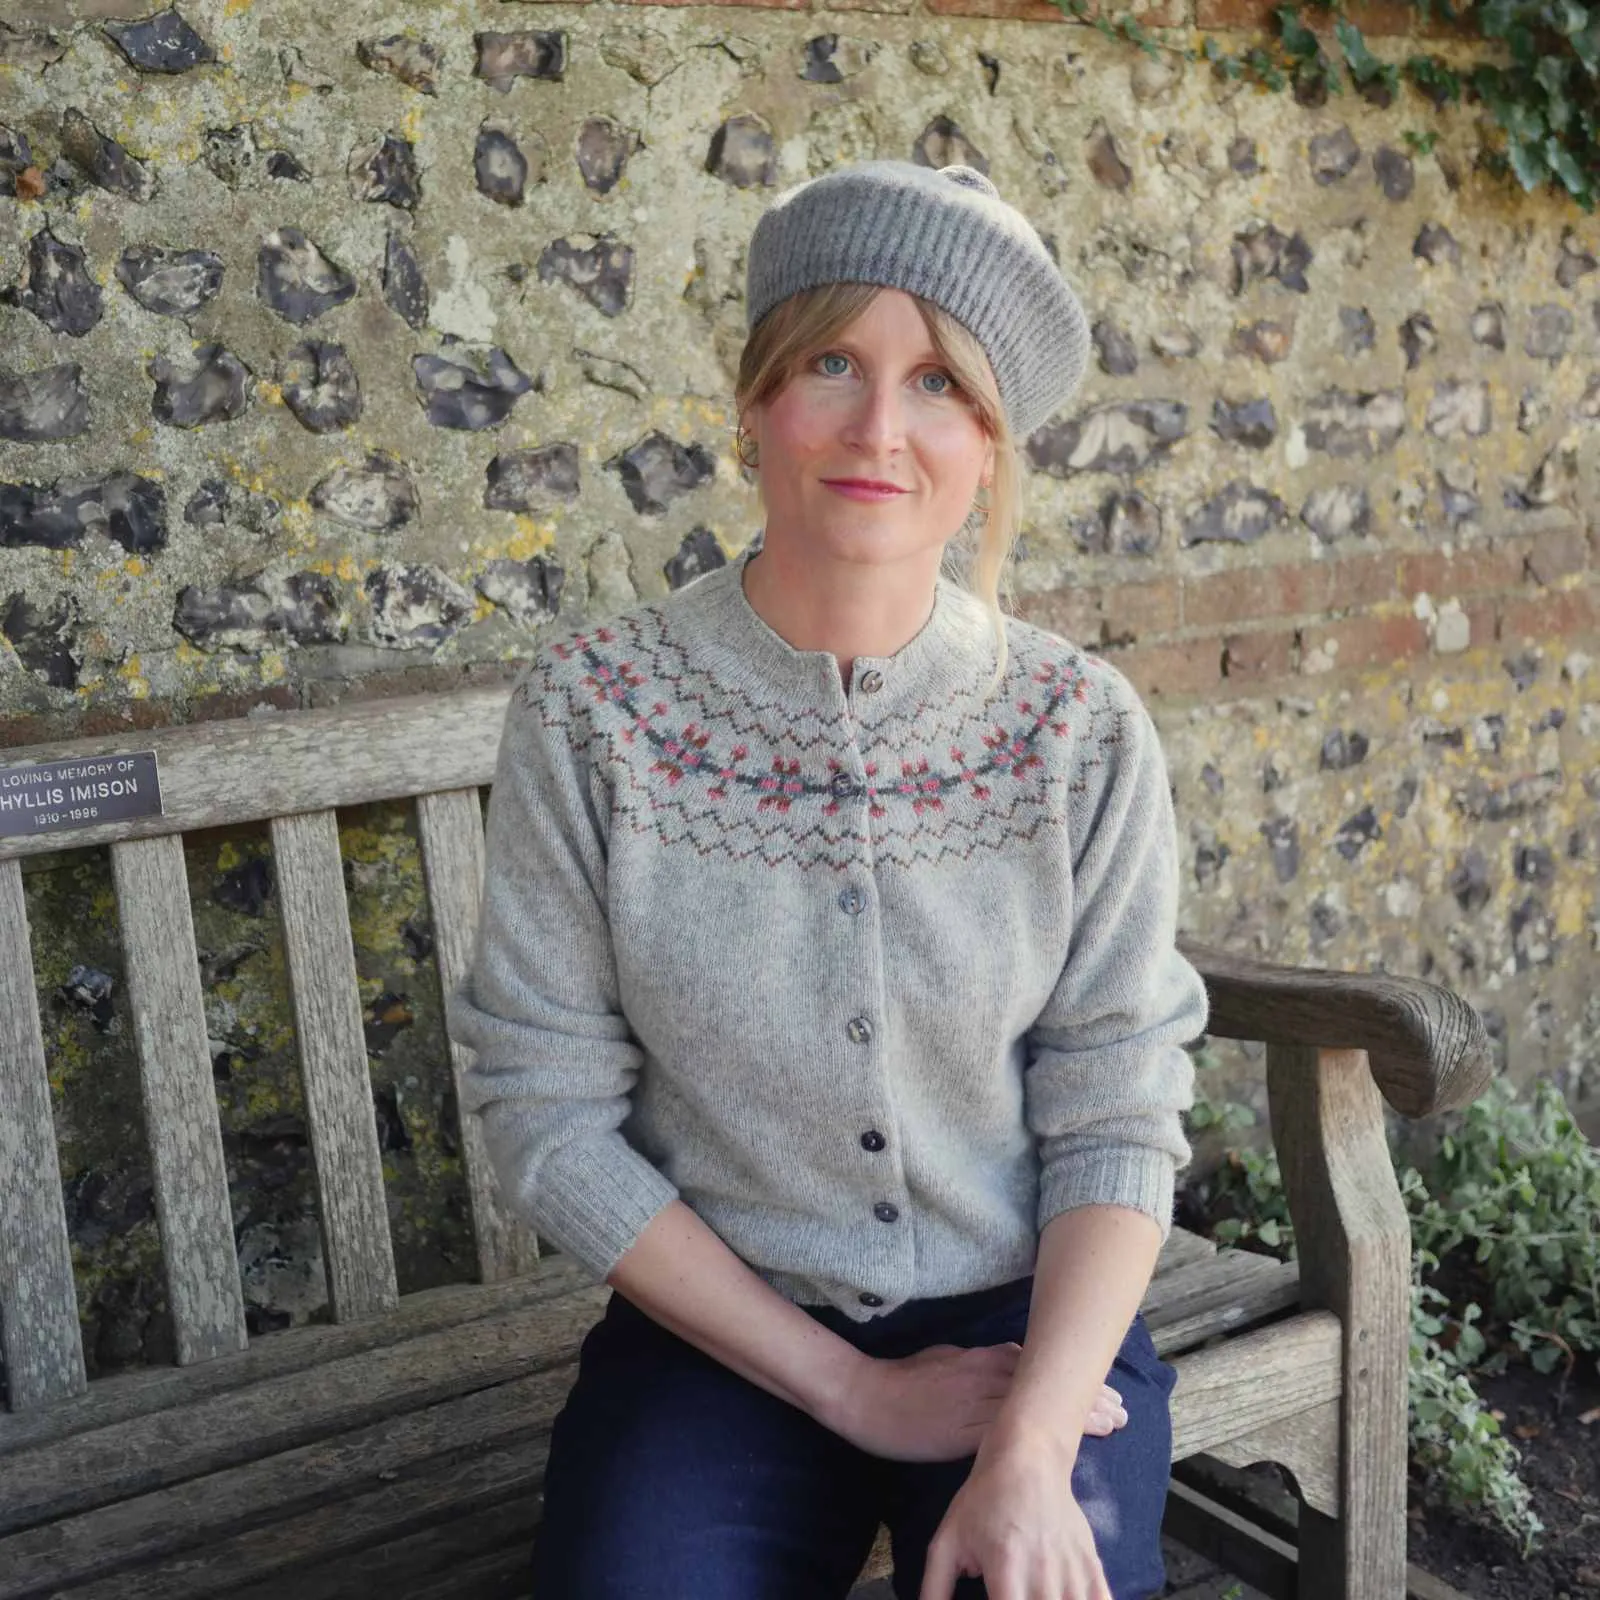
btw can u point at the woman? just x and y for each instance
(826, 1001)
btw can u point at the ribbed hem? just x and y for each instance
(1144, 1180)
(595, 1196)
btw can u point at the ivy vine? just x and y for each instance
(1541, 90)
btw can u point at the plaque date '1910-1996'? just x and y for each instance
(51, 796)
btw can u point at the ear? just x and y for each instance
(986, 477)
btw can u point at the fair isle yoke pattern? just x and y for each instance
(724, 767)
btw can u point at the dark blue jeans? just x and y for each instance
(672, 1478)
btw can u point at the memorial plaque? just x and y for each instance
(55, 796)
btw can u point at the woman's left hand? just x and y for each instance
(1016, 1524)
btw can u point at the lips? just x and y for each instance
(864, 488)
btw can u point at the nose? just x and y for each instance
(877, 424)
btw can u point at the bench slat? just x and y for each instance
(180, 1099)
(242, 1425)
(251, 768)
(450, 826)
(1226, 1294)
(333, 1064)
(135, 1532)
(38, 1299)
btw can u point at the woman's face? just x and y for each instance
(869, 453)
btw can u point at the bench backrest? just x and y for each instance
(292, 771)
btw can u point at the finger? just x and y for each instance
(940, 1574)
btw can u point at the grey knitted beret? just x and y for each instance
(946, 236)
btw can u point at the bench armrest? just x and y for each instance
(1427, 1047)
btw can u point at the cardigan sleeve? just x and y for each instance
(1108, 1079)
(555, 1059)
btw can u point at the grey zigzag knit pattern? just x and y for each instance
(877, 978)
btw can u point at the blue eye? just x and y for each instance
(834, 365)
(945, 383)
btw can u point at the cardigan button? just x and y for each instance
(871, 681)
(852, 902)
(859, 1030)
(842, 785)
(885, 1212)
(868, 1298)
(873, 1141)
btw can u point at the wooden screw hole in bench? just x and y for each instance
(398, 1451)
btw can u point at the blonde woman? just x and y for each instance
(826, 1001)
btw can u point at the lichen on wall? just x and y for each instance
(342, 350)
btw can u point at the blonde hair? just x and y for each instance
(802, 325)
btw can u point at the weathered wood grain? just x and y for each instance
(133, 1532)
(333, 1065)
(140, 1393)
(1232, 1291)
(450, 827)
(1183, 1249)
(1355, 1259)
(242, 1425)
(38, 1299)
(250, 769)
(1427, 1046)
(1262, 1559)
(180, 1100)
(1254, 1379)
(1306, 1445)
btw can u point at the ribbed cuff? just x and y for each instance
(595, 1196)
(1141, 1179)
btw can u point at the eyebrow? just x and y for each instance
(929, 356)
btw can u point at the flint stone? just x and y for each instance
(1549, 329)
(928, 57)
(415, 607)
(1458, 494)
(1252, 423)
(1357, 331)
(1121, 438)
(46, 642)
(818, 65)
(1418, 338)
(1240, 514)
(603, 150)
(943, 144)
(1343, 749)
(58, 290)
(1127, 524)
(1268, 342)
(280, 164)
(1152, 77)
(405, 290)
(1105, 160)
(1469, 880)
(645, 54)
(1460, 409)
(1176, 344)
(505, 57)
(1589, 402)
(743, 153)
(378, 496)
(1532, 409)
(128, 509)
(1436, 245)
(658, 470)
(102, 160)
(469, 389)
(606, 373)
(1334, 155)
(1344, 424)
(1489, 326)
(214, 389)
(601, 273)
(527, 591)
(1242, 156)
(16, 154)
(232, 154)
(162, 43)
(1283, 840)
(297, 280)
(500, 166)
(320, 386)
(30, 50)
(301, 607)
(171, 283)
(386, 172)
(50, 404)
(1263, 251)
(218, 503)
(1395, 173)
(697, 555)
(1118, 355)
(1357, 832)
(1339, 511)
(1575, 262)
(415, 62)
(528, 480)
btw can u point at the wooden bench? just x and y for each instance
(397, 1450)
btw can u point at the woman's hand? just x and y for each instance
(1016, 1524)
(939, 1404)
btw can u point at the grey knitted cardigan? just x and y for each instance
(877, 978)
